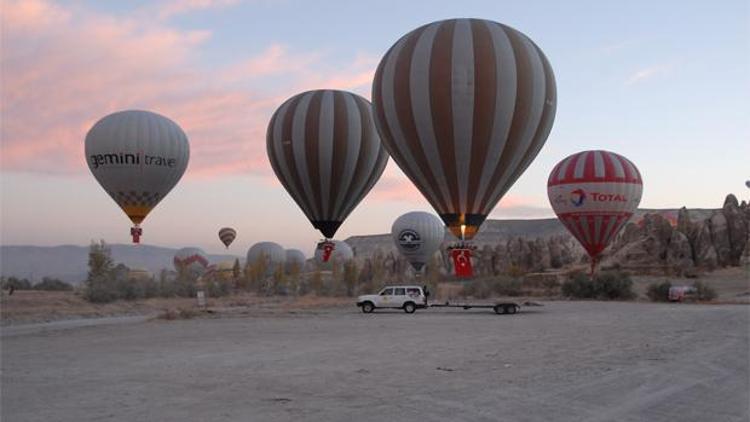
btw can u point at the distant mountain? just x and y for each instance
(70, 263)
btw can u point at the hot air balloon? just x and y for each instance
(295, 259)
(272, 253)
(464, 106)
(325, 150)
(341, 252)
(192, 261)
(418, 235)
(137, 157)
(227, 235)
(594, 193)
(747, 183)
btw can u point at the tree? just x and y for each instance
(236, 271)
(100, 286)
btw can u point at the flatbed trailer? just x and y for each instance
(499, 307)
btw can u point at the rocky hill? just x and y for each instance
(694, 242)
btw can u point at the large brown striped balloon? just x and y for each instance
(325, 150)
(463, 107)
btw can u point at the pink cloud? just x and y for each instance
(175, 7)
(65, 67)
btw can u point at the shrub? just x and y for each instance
(614, 285)
(659, 292)
(578, 286)
(53, 284)
(611, 285)
(17, 284)
(704, 291)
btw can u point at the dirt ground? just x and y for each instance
(565, 361)
(30, 306)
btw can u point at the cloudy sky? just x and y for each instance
(664, 83)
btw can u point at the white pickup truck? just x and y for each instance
(408, 298)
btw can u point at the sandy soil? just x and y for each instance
(566, 361)
(28, 306)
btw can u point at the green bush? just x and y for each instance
(608, 285)
(659, 292)
(704, 291)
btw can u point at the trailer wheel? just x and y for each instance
(368, 307)
(510, 309)
(410, 307)
(499, 309)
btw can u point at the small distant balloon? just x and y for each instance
(227, 235)
(191, 260)
(270, 254)
(747, 183)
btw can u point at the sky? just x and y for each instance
(664, 83)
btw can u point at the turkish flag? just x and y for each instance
(327, 248)
(462, 262)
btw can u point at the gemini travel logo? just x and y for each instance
(120, 159)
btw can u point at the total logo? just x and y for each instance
(409, 240)
(578, 197)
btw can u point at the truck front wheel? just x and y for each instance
(368, 307)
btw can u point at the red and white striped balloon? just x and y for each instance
(594, 193)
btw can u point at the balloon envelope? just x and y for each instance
(295, 258)
(418, 235)
(190, 260)
(463, 107)
(272, 254)
(594, 193)
(137, 157)
(227, 235)
(325, 150)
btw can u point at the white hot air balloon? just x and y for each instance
(137, 157)
(341, 252)
(295, 258)
(418, 235)
(272, 253)
(192, 261)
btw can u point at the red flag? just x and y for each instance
(462, 262)
(327, 248)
